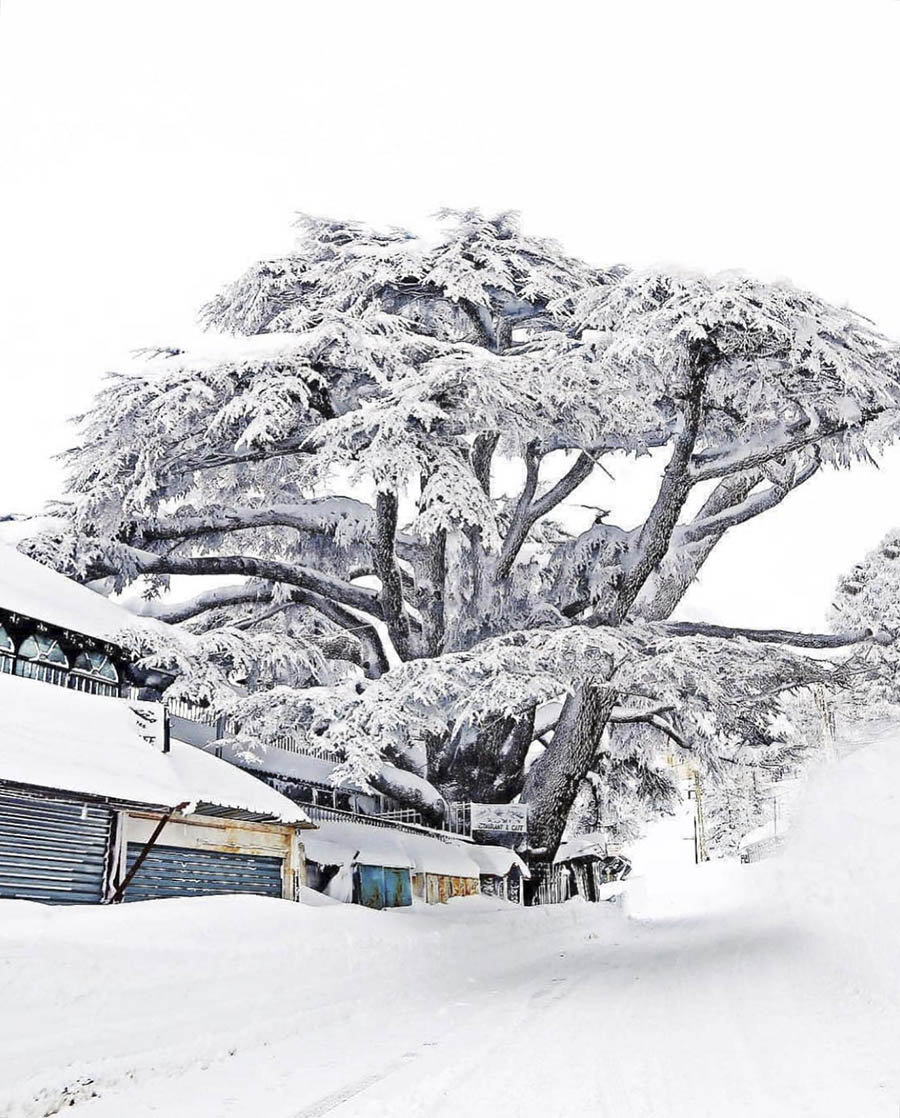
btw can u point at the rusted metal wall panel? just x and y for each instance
(171, 871)
(53, 850)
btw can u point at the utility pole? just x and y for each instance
(701, 853)
(827, 716)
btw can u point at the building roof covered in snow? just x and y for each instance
(304, 766)
(210, 781)
(30, 588)
(496, 861)
(65, 740)
(590, 845)
(337, 843)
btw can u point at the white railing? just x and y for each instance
(289, 743)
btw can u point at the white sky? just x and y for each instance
(152, 151)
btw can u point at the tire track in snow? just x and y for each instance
(351, 1090)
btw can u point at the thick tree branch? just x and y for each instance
(221, 597)
(691, 545)
(774, 636)
(319, 516)
(374, 661)
(656, 532)
(753, 505)
(305, 578)
(529, 511)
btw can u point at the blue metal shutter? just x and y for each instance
(173, 871)
(52, 850)
(382, 887)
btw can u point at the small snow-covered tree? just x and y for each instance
(337, 449)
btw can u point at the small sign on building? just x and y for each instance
(500, 817)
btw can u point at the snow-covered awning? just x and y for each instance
(32, 589)
(433, 855)
(207, 779)
(69, 741)
(496, 860)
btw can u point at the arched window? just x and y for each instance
(40, 657)
(94, 671)
(7, 651)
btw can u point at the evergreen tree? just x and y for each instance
(336, 451)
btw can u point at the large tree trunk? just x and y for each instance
(553, 781)
(485, 767)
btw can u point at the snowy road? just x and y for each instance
(728, 1012)
(723, 991)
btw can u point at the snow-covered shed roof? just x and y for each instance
(338, 843)
(85, 744)
(302, 766)
(206, 779)
(37, 591)
(74, 742)
(496, 860)
(432, 855)
(582, 846)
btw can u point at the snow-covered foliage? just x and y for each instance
(335, 447)
(213, 668)
(868, 597)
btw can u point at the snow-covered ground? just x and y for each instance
(767, 990)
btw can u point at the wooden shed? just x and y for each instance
(501, 872)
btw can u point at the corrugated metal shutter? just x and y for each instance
(173, 871)
(52, 850)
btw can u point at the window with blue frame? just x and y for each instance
(40, 657)
(7, 651)
(93, 671)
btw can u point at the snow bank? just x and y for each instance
(125, 998)
(841, 869)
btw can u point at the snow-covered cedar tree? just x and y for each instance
(381, 448)
(868, 596)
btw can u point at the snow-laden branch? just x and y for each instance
(755, 504)
(181, 465)
(337, 517)
(775, 636)
(786, 439)
(273, 570)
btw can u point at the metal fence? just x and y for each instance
(206, 716)
(317, 813)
